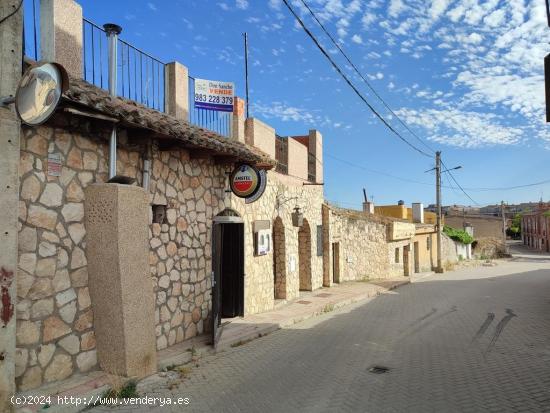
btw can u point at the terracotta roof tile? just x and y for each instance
(136, 115)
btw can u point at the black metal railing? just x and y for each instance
(31, 35)
(311, 161)
(216, 121)
(141, 76)
(281, 154)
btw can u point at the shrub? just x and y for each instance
(458, 235)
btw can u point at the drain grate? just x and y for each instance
(379, 369)
(303, 302)
(323, 295)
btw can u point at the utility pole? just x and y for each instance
(246, 71)
(439, 268)
(11, 50)
(503, 225)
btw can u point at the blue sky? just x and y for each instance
(465, 75)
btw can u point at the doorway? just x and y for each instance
(304, 256)
(228, 270)
(416, 257)
(406, 268)
(279, 260)
(335, 262)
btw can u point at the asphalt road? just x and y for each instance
(474, 340)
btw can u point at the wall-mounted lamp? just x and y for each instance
(297, 217)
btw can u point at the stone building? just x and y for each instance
(83, 256)
(535, 229)
(110, 273)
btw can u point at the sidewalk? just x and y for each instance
(235, 332)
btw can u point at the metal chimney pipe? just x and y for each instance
(112, 31)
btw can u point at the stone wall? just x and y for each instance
(55, 336)
(282, 194)
(448, 250)
(363, 246)
(180, 257)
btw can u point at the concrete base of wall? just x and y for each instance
(120, 284)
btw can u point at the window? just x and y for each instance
(428, 243)
(159, 214)
(397, 255)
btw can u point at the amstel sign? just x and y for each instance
(247, 182)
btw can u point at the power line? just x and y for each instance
(377, 172)
(362, 76)
(350, 84)
(508, 188)
(457, 184)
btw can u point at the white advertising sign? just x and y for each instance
(214, 95)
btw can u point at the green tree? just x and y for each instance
(515, 228)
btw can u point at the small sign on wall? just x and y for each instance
(319, 240)
(292, 263)
(262, 237)
(54, 164)
(263, 241)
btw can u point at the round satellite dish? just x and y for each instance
(39, 92)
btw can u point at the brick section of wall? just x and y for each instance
(297, 159)
(260, 135)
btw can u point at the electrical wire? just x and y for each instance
(377, 172)
(457, 184)
(12, 13)
(508, 188)
(350, 84)
(363, 77)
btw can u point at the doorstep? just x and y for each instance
(235, 332)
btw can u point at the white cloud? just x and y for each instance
(357, 39)
(287, 113)
(275, 4)
(241, 4)
(152, 6)
(223, 6)
(367, 19)
(438, 8)
(395, 8)
(464, 129)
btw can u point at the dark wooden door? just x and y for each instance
(232, 271)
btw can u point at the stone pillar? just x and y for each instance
(176, 90)
(117, 247)
(61, 34)
(262, 136)
(368, 207)
(11, 50)
(297, 159)
(316, 149)
(238, 120)
(417, 213)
